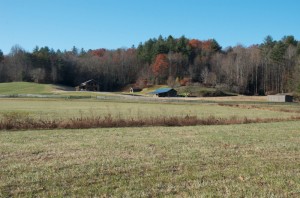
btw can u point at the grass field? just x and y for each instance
(237, 160)
(256, 160)
(61, 108)
(26, 88)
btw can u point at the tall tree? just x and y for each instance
(18, 64)
(1, 56)
(160, 67)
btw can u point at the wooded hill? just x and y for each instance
(270, 67)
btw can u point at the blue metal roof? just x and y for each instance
(161, 90)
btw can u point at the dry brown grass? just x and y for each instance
(260, 107)
(18, 122)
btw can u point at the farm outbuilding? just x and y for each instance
(90, 85)
(165, 92)
(135, 89)
(280, 98)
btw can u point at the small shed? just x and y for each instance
(280, 98)
(165, 92)
(90, 85)
(134, 89)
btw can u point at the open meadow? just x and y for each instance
(149, 99)
(254, 160)
(62, 108)
(221, 160)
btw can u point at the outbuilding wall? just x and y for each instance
(280, 98)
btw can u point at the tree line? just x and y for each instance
(270, 67)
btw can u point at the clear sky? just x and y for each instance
(92, 24)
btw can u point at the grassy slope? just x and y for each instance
(255, 160)
(199, 91)
(35, 88)
(28, 88)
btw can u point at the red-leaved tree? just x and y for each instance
(160, 67)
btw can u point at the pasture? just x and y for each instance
(237, 160)
(254, 160)
(61, 108)
(28, 88)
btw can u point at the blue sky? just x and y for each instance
(92, 24)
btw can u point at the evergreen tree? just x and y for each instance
(1, 56)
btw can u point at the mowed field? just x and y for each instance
(64, 109)
(254, 160)
(238, 160)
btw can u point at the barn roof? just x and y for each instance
(161, 90)
(86, 82)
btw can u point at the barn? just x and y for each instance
(90, 85)
(165, 92)
(280, 98)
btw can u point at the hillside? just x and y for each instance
(257, 70)
(29, 88)
(198, 91)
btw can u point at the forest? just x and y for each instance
(270, 67)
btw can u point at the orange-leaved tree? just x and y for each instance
(160, 65)
(196, 44)
(160, 68)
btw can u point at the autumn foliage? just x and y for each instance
(98, 52)
(196, 44)
(207, 45)
(269, 67)
(160, 65)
